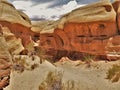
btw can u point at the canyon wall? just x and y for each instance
(91, 29)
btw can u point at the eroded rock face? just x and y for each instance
(15, 46)
(17, 22)
(5, 62)
(15, 37)
(116, 6)
(85, 30)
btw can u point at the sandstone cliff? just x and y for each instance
(86, 30)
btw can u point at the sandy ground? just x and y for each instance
(79, 75)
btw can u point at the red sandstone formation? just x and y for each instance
(86, 30)
(17, 22)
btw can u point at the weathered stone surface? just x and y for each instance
(44, 26)
(90, 13)
(116, 5)
(15, 36)
(5, 61)
(84, 30)
(15, 46)
(91, 29)
(10, 14)
(17, 22)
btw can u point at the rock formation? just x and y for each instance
(16, 37)
(86, 30)
(5, 61)
(90, 30)
(17, 22)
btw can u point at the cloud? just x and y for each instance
(51, 13)
(69, 7)
(22, 5)
(86, 1)
(33, 10)
(47, 9)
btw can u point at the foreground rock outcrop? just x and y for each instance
(66, 75)
(5, 62)
(92, 29)
(16, 38)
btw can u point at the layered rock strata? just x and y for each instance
(86, 30)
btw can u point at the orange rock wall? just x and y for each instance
(87, 37)
(20, 31)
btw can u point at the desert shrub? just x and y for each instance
(88, 58)
(69, 85)
(21, 63)
(52, 82)
(41, 53)
(113, 73)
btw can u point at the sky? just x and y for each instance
(48, 9)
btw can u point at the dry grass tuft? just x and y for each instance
(54, 82)
(113, 73)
